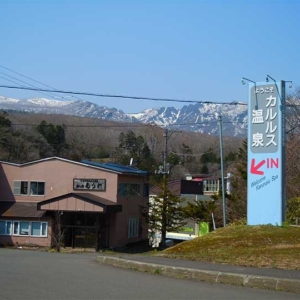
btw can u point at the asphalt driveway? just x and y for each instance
(42, 275)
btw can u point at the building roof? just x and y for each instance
(116, 167)
(20, 209)
(108, 206)
(110, 166)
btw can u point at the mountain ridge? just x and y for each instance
(199, 117)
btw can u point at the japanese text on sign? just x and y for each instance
(264, 123)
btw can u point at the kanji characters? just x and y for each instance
(257, 116)
(257, 140)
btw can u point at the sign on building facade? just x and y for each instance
(89, 184)
(266, 154)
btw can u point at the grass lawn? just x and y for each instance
(255, 246)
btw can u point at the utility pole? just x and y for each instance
(222, 170)
(166, 151)
(164, 170)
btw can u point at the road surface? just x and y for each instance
(43, 275)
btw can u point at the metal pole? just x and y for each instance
(164, 204)
(283, 151)
(213, 219)
(222, 171)
(166, 151)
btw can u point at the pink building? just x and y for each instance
(99, 204)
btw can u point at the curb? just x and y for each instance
(261, 282)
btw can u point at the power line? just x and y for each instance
(217, 170)
(10, 81)
(120, 96)
(199, 154)
(48, 95)
(209, 122)
(35, 80)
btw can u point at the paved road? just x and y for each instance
(41, 275)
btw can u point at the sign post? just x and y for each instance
(266, 153)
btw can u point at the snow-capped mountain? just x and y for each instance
(199, 118)
(75, 108)
(194, 117)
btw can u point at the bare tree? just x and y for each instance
(58, 232)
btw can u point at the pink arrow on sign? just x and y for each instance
(255, 168)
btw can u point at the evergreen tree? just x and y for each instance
(166, 213)
(25, 145)
(238, 196)
(209, 157)
(134, 147)
(200, 210)
(5, 128)
(231, 156)
(204, 169)
(174, 159)
(187, 154)
(293, 211)
(4, 121)
(55, 135)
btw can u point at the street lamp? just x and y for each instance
(285, 81)
(267, 78)
(246, 79)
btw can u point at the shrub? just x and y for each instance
(238, 222)
(293, 210)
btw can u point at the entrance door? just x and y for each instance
(85, 230)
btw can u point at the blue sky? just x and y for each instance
(194, 50)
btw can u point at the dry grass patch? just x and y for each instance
(256, 246)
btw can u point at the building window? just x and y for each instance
(5, 227)
(44, 229)
(133, 227)
(21, 228)
(37, 188)
(211, 185)
(16, 227)
(129, 189)
(24, 228)
(121, 189)
(35, 229)
(135, 189)
(38, 229)
(20, 188)
(146, 189)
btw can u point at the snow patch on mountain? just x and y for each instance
(7, 100)
(48, 102)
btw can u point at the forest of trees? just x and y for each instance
(28, 137)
